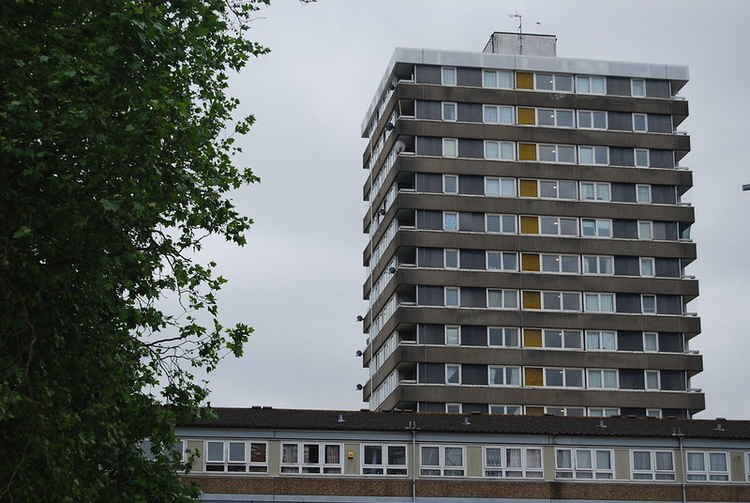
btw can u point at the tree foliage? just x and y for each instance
(116, 160)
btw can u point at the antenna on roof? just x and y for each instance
(518, 16)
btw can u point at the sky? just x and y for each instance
(298, 281)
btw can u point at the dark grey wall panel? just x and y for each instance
(427, 74)
(473, 335)
(431, 407)
(673, 380)
(659, 158)
(629, 340)
(432, 373)
(663, 194)
(633, 411)
(429, 220)
(430, 295)
(620, 121)
(628, 303)
(429, 110)
(668, 304)
(632, 379)
(430, 333)
(626, 229)
(428, 145)
(472, 259)
(430, 257)
(621, 156)
(473, 297)
(657, 88)
(469, 77)
(429, 182)
(627, 266)
(470, 148)
(469, 408)
(670, 342)
(674, 413)
(658, 123)
(469, 221)
(473, 374)
(471, 185)
(618, 86)
(470, 112)
(667, 267)
(666, 231)
(623, 192)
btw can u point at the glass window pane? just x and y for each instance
(571, 301)
(606, 265)
(496, 336)
(602, 192)
(311, 453)
(642, 460)
(551, 300)
(592, 340)
(564, 459)
(452, 336)
(570, 263)
(568, 226)
(289, 453)
(513, 376)
(494, 455)
(564, 118)
(451, 296)
(582, 84)
(553, 338)
(718, 461)
(236, 451)
(639, 122)
(601, 155)
(583, 459)
(508, 187)
(553, 377)
(609, 340)
(533, 458)
(564, 83)
(544, 81)
(547, 153)
(494, 298)
(572, 339)
(641, 157)
(545, 117)
(603, 460)
(333, 454)
(510, 299)
(491, 150)
(505, 79)
(453, 456)
(451, 184)
(586, 155)
(547, 188)
(505, 115)
(449, 111)
(664, 461)
(607, 302)
(452, 374)
(590, 264)
(549, 225)
(604, 228)
(373, 455)
(592, 302)
(257, 452)
(588, 227)
(215, 451)
(510, 261)
(507, 151)
(598, 85)
(430, 456)
(568, 189)
(550, 263)
(584, 119)
(566, 154)
(490, 114)
(610, 379)
(509, 224)
(574, 378)
(489, 79)
(396, 455)
(513, 458)
(600, 120)
(492, 186)
(450, 148)
(451, 259)
(450, 221)
(512, 338)
(494, 260)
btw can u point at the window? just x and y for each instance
(236, 456)
(652, 465)
(504, 376)
(499, 187)
(447, 461)
(601, 340)
(603, 412)
(558, 189)
(504, 337)
(452, 296)
(638, 87)
(563, 339)
(310, 458)
(598, 264)
(451, 259)
(453, 408)
(566, 264)
(557, 153)
(513, 462)
(563, 378)
(450, 147)
(653, 413)
(641, 158)
(562, 226)
(602, 379)
(505, 224)
(565, 411)
(595, 191)
(502, 299)
(652, 379)
(648, 304)
(554, 82)
(449, 111)
(501, 150)
(710, 466)
(593, 155)
(560, 301)
(584, 464)
(599, 302)
(502, 261)
(383, 459)
(640, 122)
(452, 335)
(496, 114)
(555, 118)
(643, 193)
(497, 79)
(592, 120)
(591, 85)
(448, 76)
(452, 373)
(647, 266)
(450, 221)
(596, 227)
(510, 410)
(650, 342)
(450, 184)
(645, 229)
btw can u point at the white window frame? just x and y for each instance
(562, 302)
(643, 310)
(590, 79)
(651, 227)
(458, 366)
(558, 258)
(448, 141)
(708, 473)
(641, 260)
(562, 339)
(592, 112)
(502, 260)
(653, 473)
(300, 465)
(578, 472)
(455, 111)
(597, 230)
(603, 411)
(497, 111)
(503, 369)
(500, 215)
(504, 345)
(445, 296)
(558, 226)
(599, 302)
(653, 413)
(598, 258)
(635, 158)
(747, 466)
(500, 150)
(444, 81)
(505, 408)
(445, 190)
(564, 377)
(645, 123)
(600, 338)
(557, 153)
(601, 373)
(459, 408)
(596, 189)
(637, 193)
(441, 466)
(645, 380)
(383, 468)
(656, 335)
(557, 189)
(520, 472)
(632, 88)
(593, 155)
(445, 258)
(565, 411)
(500, 180)
(445, 334)
(445, 227)
(497, 78)
(555, 111)
(554, 83)
(502, 296)
(247, 465)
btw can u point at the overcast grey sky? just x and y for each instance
(299, 279)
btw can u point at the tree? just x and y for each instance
(115, 164)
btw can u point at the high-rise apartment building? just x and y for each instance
(527, 240)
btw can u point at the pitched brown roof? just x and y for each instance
(348, 420)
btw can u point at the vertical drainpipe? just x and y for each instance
(683, 462)
(413, 428)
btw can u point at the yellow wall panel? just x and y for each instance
(532, 338)
(534, 411)
(529, 225)
(532, 300)
(527, 151)
(524, 80)
(526, 116)
(529, 261)
(529, 188)
(533, 377)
